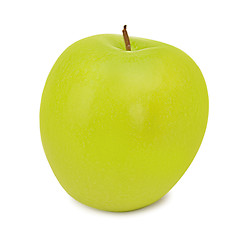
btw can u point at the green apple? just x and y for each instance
(120, 127)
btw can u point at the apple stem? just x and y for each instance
(126, 38)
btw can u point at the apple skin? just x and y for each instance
(120, 128)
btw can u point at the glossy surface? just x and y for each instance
(120, 128)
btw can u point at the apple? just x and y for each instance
(122, 119)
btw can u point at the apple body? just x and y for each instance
(120, 128)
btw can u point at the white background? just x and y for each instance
(205, 203)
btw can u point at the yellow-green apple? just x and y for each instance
(121, 122)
